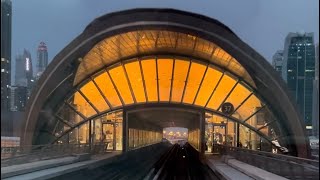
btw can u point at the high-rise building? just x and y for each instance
(24, 71)
(315, 105)
(42, 58)
(28, 68)
(277, 60)
(6, 14)
(18, 98)
(20, 73)
(298, 71)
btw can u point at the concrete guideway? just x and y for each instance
(52, 168)
(230, 168)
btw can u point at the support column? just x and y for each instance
(202, 142)
(125, 131)
(238, 135)
(90, 136)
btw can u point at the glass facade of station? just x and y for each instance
(220, 130)
(94, 111)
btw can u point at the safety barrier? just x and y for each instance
(287, 166)
(24, 154)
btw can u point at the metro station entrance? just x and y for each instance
(219, 136)
(215, 135)
(109, 130)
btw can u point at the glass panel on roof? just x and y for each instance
(82, 105)
(69, 115)
(194, 78)
(186, 41)
(235, 67)
(120, 81)
(94, 96)
(93, 56)
(111, 47)
(128, 43)
(210, 81)
(104, 82)
(136, 81)
(221, 92)
(179, 78)
(204, 47)
(164, 75)
(238, 94)
(150, 78)
(131, 43)
(108, 49)
(166, 39)
(223, 56)
(247, 108)
(147, 40)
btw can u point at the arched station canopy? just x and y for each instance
(161, 56)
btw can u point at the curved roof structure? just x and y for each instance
(161, 56)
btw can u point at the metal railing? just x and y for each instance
(287, 166)
(25, 154)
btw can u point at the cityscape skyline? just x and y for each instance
(265, 39)
(137, 77)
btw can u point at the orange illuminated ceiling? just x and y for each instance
(146, 42)
(164, 80)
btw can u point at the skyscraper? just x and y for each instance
(6, 14)
(277, 60)
(298, 71)
(18, 98)
(28, 71)
(24, 71)
(315, 105)
(20, 74)
(42, 58)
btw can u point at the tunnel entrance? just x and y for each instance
(145, 126)
(175, 134)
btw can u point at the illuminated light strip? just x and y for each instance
(27, 64)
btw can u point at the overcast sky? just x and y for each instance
(263, 24)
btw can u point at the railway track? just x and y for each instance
(162, 162)
(181, 162)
